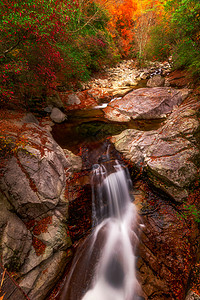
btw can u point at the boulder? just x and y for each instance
(57, 115)
(146, 103)
(34, 235)
(167, 154)
(156, 81)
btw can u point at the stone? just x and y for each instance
(192, 296)
(114, 114)
(34, 236)
(74, 161)
(48, 108)
(57, 115)
(146, 103)
(78, 100)
(167, 154)
(144, 75)
(40, 280)
(156, 81)
(53, 235)
(34, 180)
(30, 118)
(15, 239)
(73, 99)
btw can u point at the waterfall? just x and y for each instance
(105, 265)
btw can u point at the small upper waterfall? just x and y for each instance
(105, 264)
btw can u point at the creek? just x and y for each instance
(105, 262)
(88, 126)
(104, 266)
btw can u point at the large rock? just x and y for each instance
(167, 154)
(34, 235)
(145, 103)
(57, 115)
(156, 81)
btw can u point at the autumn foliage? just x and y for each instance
(121, 23)
(45, 45)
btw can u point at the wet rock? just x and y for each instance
(57, 115)
(156, 81)
(168, 154)
(146, 103)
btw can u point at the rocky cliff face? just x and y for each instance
(34, 236)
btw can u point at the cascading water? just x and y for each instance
(105, 265)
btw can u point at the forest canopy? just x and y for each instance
(48, 43)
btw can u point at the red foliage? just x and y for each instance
(39, 246)
(42, 225)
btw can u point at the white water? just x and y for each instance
(104, 266)
(104, 105)
(115, 277)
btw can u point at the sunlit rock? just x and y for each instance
(34, 188)
(146, 103)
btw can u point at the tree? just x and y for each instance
(147, 15)
(121, 22)
(46, 42)
(185, 24)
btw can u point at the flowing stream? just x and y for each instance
(104, 266)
